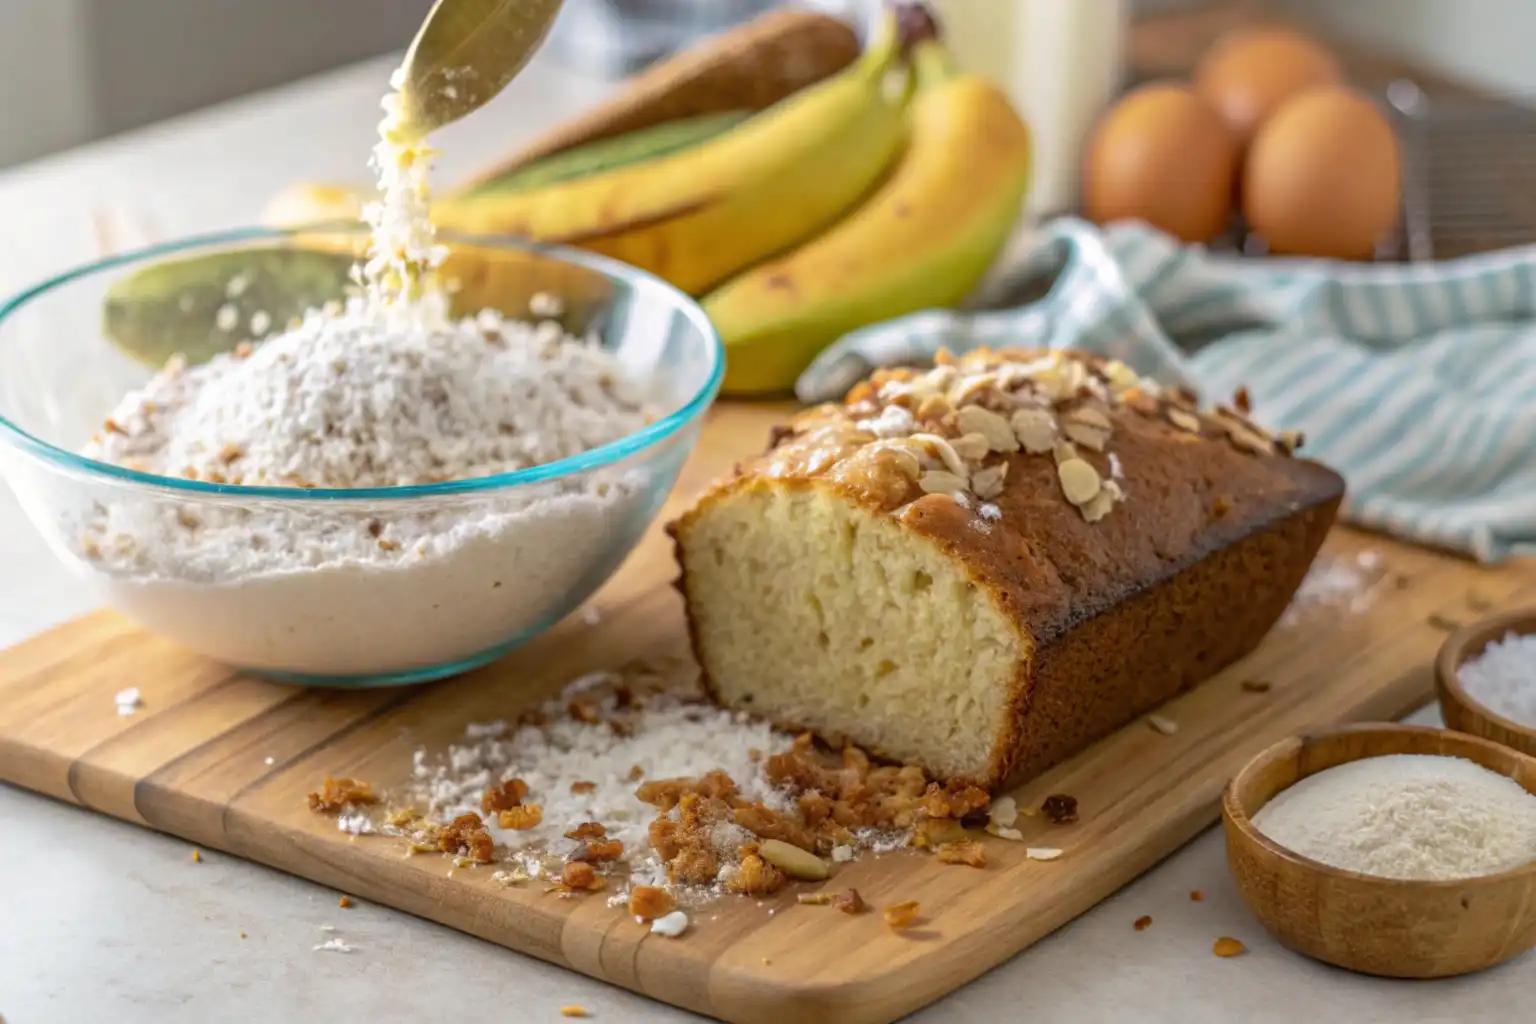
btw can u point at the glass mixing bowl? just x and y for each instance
(487, 564)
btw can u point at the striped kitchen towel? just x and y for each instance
(1417, 382)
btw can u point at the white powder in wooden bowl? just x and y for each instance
(1503, 678)
(1409, 816)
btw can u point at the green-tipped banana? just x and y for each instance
(699, 216)
(923, 240)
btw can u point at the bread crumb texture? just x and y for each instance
(934, 567)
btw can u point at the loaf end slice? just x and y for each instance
(899, 572)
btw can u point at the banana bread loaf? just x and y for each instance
(985, 567)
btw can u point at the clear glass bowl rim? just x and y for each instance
(594, 458)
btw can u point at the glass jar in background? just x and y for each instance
(1061, 63)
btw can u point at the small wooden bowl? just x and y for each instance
(1459, 710)
(1384, 926)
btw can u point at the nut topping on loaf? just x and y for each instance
(985, 566)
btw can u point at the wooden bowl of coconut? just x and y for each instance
(1485, 677)
(1395, 850)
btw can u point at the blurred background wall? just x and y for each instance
(76, 70)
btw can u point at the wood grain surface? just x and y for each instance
(192, 763)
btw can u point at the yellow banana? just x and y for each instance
(923, 240)
(698, 216)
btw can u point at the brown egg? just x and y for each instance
(1324, 176)
(1161, 155)
(1246, 76)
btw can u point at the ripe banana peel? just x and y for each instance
(925, 239)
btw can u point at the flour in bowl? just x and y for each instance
(348, 400)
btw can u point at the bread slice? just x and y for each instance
(986, 567)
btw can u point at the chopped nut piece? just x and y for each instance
(1143, 923)
(344, 903)
(1196, 895)
(1255, 686)
(901, 915)
(581, 876)
(850, 902)
(1080, 482)
(520, 818)
(588, 830)
(573, 1011)
(934, 407)
(504, 797)
(1011, 834)
(1184, 420)
(938, 481)
(998, 432)
(582, 787)
(336, 794)
(1226, 946)
(967, 851)
(987, 483)
(971, 447)
(1035, 430)
(1042, 853)
(650, 902)
(816, 899)
(1166, 726)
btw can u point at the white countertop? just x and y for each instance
(100, 920)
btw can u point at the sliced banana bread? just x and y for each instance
(985, 567)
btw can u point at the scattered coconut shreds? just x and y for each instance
(670, 925)
(128, 701)
(715, 784)
(1011, 834)
(335, 946)
(356, 823)
(1003, 812)
(1166, 726)
(1042, 853)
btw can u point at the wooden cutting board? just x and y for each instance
(192, 763)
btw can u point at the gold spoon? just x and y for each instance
(465, 53)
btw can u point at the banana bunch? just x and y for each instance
(924, 240)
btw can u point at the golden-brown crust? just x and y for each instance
(1201, 555)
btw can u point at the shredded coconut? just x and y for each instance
(667, 737)
(128, 701)
(1411, 816)
(335, 946)
(1503, 678)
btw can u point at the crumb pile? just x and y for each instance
(633, 783)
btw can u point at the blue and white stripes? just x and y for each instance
(1417, 382)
